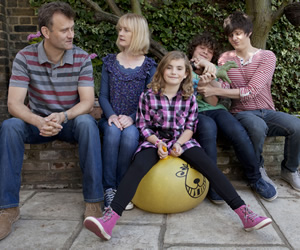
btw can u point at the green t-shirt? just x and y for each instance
(203, 105)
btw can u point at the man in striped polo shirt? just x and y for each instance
(58, 78)
(252, 102)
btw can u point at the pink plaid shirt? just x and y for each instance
(158, 113)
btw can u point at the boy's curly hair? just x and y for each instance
(207, 40)
(158, 83)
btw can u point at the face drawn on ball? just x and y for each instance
(199, 189)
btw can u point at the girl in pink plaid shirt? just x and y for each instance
(166, 118)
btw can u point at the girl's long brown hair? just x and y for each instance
(158, 83)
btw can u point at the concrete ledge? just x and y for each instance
(56, 164)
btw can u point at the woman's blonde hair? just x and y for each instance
(158, 83)
(138, 25)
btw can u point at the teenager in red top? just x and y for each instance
(252, 102)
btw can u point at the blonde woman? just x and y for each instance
(124, 77)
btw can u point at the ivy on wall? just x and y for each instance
(284, 41)
(174, 23)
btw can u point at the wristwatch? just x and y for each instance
(66, 117)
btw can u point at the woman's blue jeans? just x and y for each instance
(262, 123)
(15, 133)
(118, 148)
(213, 121)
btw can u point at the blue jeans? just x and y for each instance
(263, 123)
(15, 132)
(212, 121)
(118, 148)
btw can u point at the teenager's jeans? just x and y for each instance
(262, 123)
(118, 148)
(213, 121)
(15, 132)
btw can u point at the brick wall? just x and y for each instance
(51, 165)
(16, 23)
(56, 164)
(272, 152)
(4, 60)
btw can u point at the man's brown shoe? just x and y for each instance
(7, 217)
(93, 209)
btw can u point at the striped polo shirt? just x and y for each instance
(253, 78)
(51, 87)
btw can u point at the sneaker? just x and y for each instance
(109, 195)
(251, 220)
(266, 177)
(7, 217)
(293, 178)
(103, 226)
(92, 209)
(129, 206)
(264, 189)
(214, 197)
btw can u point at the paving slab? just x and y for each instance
(52, 219)
(138, 216)
(25, 194)
(54, 205)
(286, 215)
(209, 223)
(228, 248)
(39, 234)
(124, 237)
(285, 190)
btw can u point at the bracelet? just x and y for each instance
(178, 143)
(156, 143)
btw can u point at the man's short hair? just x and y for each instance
(207, 40)
(47, 11)
(237, 20)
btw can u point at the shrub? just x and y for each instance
(174, 23)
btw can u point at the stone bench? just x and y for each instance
(56, 164)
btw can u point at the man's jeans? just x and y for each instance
(117, 151)
(15, 132)
(213, 121)
(262, 123)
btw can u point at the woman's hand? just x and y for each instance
(115, 120)
(176, 150)
(125, 121)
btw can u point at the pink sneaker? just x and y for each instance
(103, 226)
(251, 220)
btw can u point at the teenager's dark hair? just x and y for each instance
(207, 40)
(47, 11)
(237, 20)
